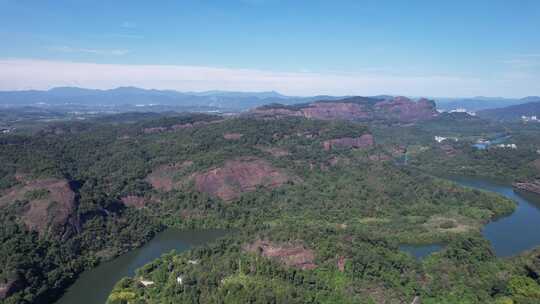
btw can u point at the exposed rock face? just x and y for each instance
(363, 141)
(232, 136)
(290, 255)
(162, 177)
(531, 186)
(341, 263)
(405, 110)
(400, 109)
(238, 176)
(51, 205)
(335, 110)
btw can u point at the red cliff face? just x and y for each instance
(50, 205)
(163, 177)
(363, 141)
(232, 136)
(406, 110)
(335, 110)
(400, 109)
(531, 186)
(237, 176)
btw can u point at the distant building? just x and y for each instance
(440, 139)
(507, 146)
(463, 110)
(6, 130)
(532, 118)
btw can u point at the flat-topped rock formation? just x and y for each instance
(400, 109)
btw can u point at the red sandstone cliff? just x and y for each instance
(237, 176)
(363, 141)
(401, 109)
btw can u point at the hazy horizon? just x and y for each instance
(301, 48)
(216, 91)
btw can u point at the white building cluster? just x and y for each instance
(440, 139)
(507, 146)
(532, 118)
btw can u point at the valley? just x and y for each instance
(317, 195)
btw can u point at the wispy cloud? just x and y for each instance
(44, 74)
(68, 49)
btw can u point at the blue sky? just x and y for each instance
(432, 48)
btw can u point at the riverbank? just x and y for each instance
(93, 286)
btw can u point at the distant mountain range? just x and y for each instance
(515, 112)
(66, 96)
(480, 103)
(73, 98)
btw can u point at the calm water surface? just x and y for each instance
(508, 235)
(517, 232)
(94, 285)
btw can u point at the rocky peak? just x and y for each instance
(400, 108)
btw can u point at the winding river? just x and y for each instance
(93, 286)
(508, 235)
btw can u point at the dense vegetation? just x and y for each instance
(351, 208)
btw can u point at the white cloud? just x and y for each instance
(43, 74)
(68, 49)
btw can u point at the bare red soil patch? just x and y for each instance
(237, 176)
(233, 136)
(162, 177)
(52, 208)
(335, 110)
(399, 108)
(291, 255)
(531, 186)
(341, 263)
(363, 141)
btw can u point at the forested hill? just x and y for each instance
(320, 207)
